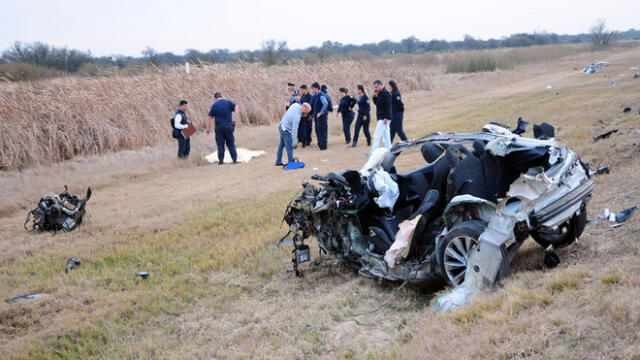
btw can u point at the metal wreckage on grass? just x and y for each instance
(58, 212)
(460, 217)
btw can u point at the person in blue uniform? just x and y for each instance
(306, 122)
(397, 110)
(181, 122)
(345, 108)
(222, 111)
(319, 106)
(364, 116)
(382, 99)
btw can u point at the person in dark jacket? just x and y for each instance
(325, 91)
(319, 106)
(382, 99)
(345, 108)
(397, 112)
(306, 123)
(364, 117)
(180, 122)
(222, 110)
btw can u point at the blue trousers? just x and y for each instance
(184, 145)
(304, 131)
(286, 142)
(396, 126)
(347, 119)
(322, 130)
(364, 124)
(224, 135)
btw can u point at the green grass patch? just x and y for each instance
(182, 261)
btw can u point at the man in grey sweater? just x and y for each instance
(288, 128)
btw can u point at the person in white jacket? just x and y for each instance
(180, 122)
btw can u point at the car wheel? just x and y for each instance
(455, 249)
(566, 233)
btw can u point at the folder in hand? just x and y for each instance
(190, 130)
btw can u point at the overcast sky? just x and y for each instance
(128, 26)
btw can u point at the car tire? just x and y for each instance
(455, 249)
(567, 232)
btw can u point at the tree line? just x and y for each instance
(60, 60)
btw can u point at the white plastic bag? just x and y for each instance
(401, 245)
(387, 189)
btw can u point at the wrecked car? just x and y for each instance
(459, 217)
(58, 212)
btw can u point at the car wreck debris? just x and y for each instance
(459, 217)
(71, 263)
(604, 135)
(615, 219)
(25, 297)
(593, 68)
(57, 212)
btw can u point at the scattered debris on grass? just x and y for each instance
(142, 274)
(605, 135)
(593, 68)
(615, 219)
(551, 257)
(57, 212)
(599, 171)
(25, 297)
(71, 263)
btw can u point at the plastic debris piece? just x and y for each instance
(613, 83)
(71, 263)
(142, 274)
(605, 135)
(25, 297)
(551, 258)
(625, 214)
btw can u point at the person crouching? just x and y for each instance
(288, 128)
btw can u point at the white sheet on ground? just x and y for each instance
(244, 155)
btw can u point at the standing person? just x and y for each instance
(345, 108)
(290, 90)
(304, 130)
(364, 117)
(181, 122)
(222, 110)
(397, 111)
(319, 106)
(382, 99)
(288, 127)
(325, 91)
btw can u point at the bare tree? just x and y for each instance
(601, 35)
(151, 55)
(274, 52)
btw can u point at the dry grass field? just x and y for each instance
(218, 290)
